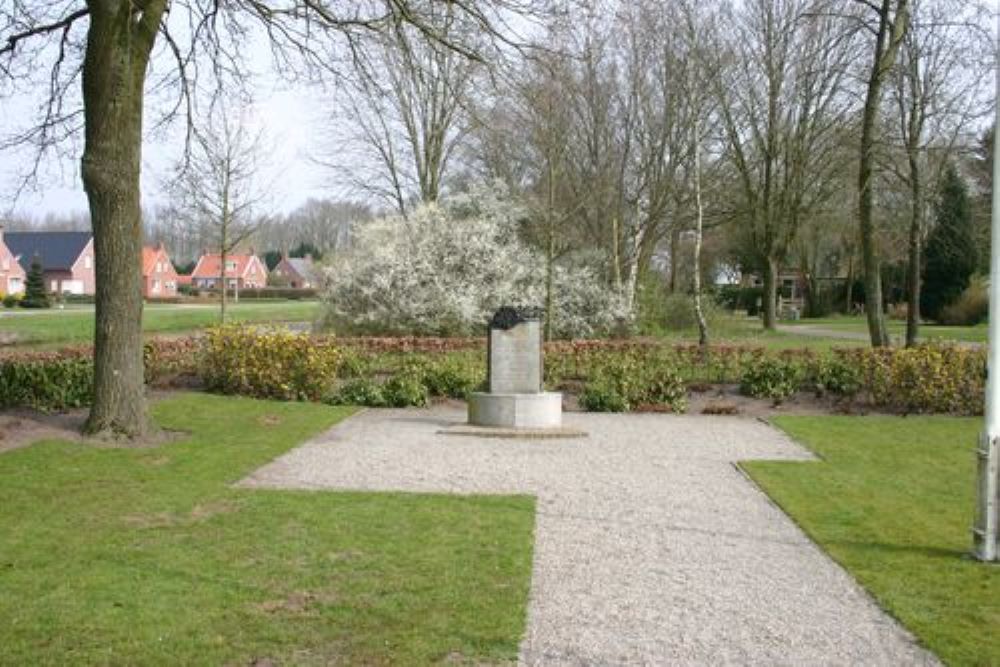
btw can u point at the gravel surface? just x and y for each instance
(651, 547)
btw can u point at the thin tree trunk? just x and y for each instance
(770, 294)
(916, 220)
(699, 313)
(616, 259)
(119, 41)
(224, 244)
(550, 253)
(675, 242)
(849, 299)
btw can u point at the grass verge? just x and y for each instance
(111, 556)
(76, 325)
(893, 502)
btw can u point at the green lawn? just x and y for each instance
(112, 556)
(744, 331)
(893, 502)
(974, 334)
(76, 325)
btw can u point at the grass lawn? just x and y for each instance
(743, 331)
(893, 502)
(974, 334)
(111, 556)
(76, 325)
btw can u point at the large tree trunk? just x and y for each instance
(916, 219)
(119, 41)
(770, 294)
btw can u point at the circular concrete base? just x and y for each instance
(543, 410)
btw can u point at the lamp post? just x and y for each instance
(984, 533)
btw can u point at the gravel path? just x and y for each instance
(651, 547)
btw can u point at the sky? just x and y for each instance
(291, 117)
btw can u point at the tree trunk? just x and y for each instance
(770, 294)
(892, 31)
(849, 299)
(550, 252)
(675, 242)
(119, 40)
(699, 313)
(916, 220)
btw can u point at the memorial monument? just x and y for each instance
(515, 399)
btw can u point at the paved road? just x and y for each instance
(651, 547)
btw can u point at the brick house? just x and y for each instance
(159, 278)
(12, 275)
(296, 272)
(67, 258)
(242, 272)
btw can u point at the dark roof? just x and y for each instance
(302, 265)
(58, 251)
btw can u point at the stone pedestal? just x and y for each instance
(515, 398)
(542, 410)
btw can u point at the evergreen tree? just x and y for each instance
(35, 295)
(950, 258)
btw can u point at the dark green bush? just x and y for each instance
(47, 383)
(772, 378)
(361, 391)
(453, 377)
(10, 301)
(405, 390)
(602, 397)
(971, 307)
(838, 377)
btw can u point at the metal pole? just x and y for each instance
(988, 454)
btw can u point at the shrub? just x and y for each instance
(676, 312)
(772, 378)
(48, 382)
(936, 378)
(971, 307)
(837, 377)
(267, 363)
(624, 384)
(360, 391)
(10, 301)
(950, 254)
(404, 390)
(735, 297)
(453, 378)
(602, 397)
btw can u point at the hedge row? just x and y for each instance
(606, 375)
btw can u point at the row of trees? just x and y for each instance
(822, 128)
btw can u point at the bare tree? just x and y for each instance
(781, 88)
(406, 110)
(934, 90)
(220, 187)
(112, 62)
(889, 30)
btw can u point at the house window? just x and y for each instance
(156, 286)
(6, 264)
(88, 262)
(230, 265)
(54, 286)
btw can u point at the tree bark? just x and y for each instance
(916, 226)
(699, 313)
(770, 294)
(119, 40)
(849, 298)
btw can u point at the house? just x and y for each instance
(295, 272)
(159, 278)
(67, 258)
(12, 275)
(242, 272)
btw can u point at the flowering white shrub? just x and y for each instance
(445, 269)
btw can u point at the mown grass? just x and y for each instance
(111, 556)
(968, 334)
(76, 325)
(893, 502)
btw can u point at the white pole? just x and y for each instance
(988, 453)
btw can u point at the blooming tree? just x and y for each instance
(445, 268)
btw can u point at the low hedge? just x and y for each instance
(606, 375)
(46, 382)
